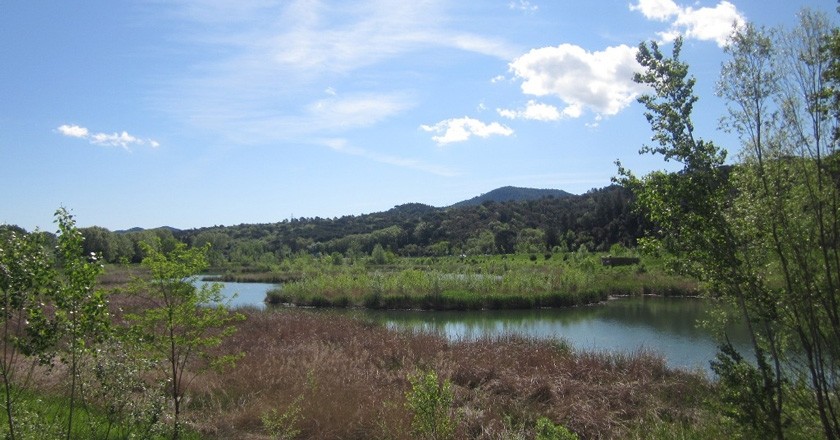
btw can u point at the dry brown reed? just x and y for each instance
(345, 378)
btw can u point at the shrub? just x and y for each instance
(429, 402)
(547, 430)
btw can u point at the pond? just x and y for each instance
(667, 326)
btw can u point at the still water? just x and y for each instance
(246, 294)
(667, 326)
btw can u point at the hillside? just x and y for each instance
(512, 194)
(525, 220)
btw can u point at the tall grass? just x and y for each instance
(490, 283)
(354, 376)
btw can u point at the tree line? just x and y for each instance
(594, 221)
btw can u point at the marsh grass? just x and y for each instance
(354, 376)
(490, 283)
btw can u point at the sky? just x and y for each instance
(194, 113)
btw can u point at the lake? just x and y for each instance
(667, 326)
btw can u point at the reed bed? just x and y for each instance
(490, 284)
(340, 377)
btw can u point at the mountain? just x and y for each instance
(513, 194)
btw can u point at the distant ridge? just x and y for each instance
(512, 193)
(138, 229)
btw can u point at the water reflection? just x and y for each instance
(667, 326)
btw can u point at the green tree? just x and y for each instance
(81, 311)
(788, 178)
(183, 323)
(26, 275)
(378, 255)
(765, 235)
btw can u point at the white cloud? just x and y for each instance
(73, 131)
(538, 111)
(461, 129)
(706, 23)
(122, 139)
(660, 10)
(599, 81)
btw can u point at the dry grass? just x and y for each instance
(352, 377)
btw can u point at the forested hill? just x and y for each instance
(594, 221)
(512, 194)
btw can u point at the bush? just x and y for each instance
(547, 430)
(430, 403)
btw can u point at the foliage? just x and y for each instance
(283, 425)
(182, 323)
(547, 430)
(81, 311)
(25, 277)
(764, 233)
(430, 404)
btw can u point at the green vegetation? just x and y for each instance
(594, 221)
(72, 366)
(473, 283)
(430, 404)
(181, 323)
(765, 234)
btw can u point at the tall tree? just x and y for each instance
(765, 235)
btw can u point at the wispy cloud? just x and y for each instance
(461, 129)
(342, 146)
(122, 139)
(265, 62)
(599, 81)
(523, 5)
(707, 23)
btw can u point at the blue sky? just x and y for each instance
(193, 113)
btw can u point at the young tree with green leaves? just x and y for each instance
(80, 310)
(182, 323)
(26, 275)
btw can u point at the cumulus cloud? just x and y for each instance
(706, 23)
(599, 81)
(538, 111)
(73, 131)
(122, 139)
(461, 129)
